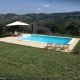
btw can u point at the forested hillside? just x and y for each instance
(64, 23)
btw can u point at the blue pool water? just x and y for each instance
(47, 39)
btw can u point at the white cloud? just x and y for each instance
(43, 6)
(39, 9)
(46, 5)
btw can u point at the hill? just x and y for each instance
(63, 23)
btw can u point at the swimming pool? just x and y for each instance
(47, 39)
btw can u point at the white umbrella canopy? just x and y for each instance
(17, 23)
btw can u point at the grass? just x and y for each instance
(77, 46)
(76, 50)
(28, 63)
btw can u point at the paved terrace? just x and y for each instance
(13, 40)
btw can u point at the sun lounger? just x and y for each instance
(56, 46)
(14, 34)
(49, 46)
(11, 34)
(64, 47)
(53, 46)
(20, 33)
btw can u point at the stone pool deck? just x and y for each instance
(13, 40)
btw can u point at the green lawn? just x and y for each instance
(77, 46)
(27, 63)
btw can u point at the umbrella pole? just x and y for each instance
(32, 29)
(21, 33)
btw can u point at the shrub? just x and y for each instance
(76, 52)
(5, 34)
(43, 30)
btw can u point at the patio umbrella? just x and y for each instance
(17, 23)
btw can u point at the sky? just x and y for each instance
(38, 6)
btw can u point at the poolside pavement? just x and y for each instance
(13, 40)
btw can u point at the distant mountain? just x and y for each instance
(55, 22)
